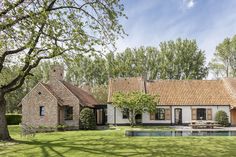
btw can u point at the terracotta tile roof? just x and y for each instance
(178, 92)
(230, 84)
(125, 85)
(190, 92)
(85, 98)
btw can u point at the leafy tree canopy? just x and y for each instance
(223, 63)
(181, 59)
(32, 31)
(136, 103)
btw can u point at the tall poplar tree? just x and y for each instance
(223, 63)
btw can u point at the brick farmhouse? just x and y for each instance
(55, 103)
(181, 101)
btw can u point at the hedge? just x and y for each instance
(87, 119)
(222, 118)
(13, 119)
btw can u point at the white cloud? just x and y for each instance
(189, 3)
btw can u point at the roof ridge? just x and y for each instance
(175, 80)
(168, 80)
(63, 82)
(124, 78)
(79, 88)
(47, 86)
(229, 88)
(66, 84)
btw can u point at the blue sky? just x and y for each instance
(153, 21)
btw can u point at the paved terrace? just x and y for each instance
(188, 128)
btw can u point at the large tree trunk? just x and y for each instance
(4, 133)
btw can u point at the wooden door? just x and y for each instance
(233, 117)
(194, 114)
(99, 117)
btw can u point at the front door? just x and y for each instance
(60, 115)
(101, 116)
(233, 117)
(138, 119)
(178, 116)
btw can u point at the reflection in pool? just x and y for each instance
(179, 133)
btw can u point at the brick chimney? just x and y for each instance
(56, 72)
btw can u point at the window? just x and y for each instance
(125, 113)
(201, 114)
(42, 111)
(68, 113)
(160, 114)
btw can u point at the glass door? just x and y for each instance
(178, 116)
(138, 119)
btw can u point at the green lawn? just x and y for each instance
(114, 143)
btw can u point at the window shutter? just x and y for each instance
(167, 114)
(209, 114)
(194, 113)
(152, 116)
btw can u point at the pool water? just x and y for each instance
(179, 133)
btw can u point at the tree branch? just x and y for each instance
(2, 58)
(26, 73)
(12, 23)
(4, 12)
(27, 60)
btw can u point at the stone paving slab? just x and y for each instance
(187, 128)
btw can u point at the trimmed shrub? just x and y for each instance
(222, 118)
(87, 119)
(42, 128)
(13, 119)
(61, 127)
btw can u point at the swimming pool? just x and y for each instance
(179, 133)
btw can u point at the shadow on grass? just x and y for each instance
(130, 146)
(114, 143)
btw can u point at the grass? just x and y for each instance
(114, 143)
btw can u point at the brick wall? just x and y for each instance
(39, 96)
(68, 99)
